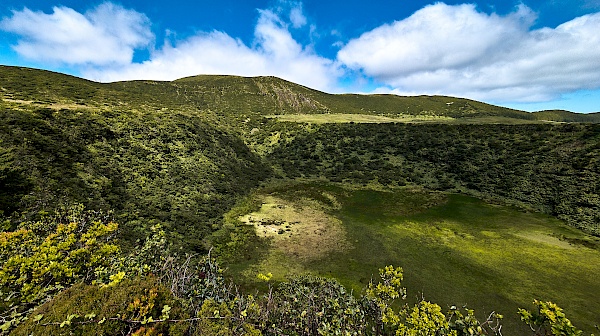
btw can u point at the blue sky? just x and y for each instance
(529, 55)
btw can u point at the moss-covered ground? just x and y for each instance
(455, 250)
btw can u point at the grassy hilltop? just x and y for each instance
(481, 205)
(241, 98)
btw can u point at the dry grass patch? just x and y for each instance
(298, 229)
(55, 106)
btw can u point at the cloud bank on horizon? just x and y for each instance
(440, 49)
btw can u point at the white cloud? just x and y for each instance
(440, 49)
(274, 52)
(297, 17)
(106, 35)
(101, 43)
(456, 50)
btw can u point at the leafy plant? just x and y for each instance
(41, 258)
(138, 306)
(309, 305)
(548, 319)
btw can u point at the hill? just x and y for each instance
(566, 116)
(241, 98)
(65, 140)
(158, 134)
(174, 162)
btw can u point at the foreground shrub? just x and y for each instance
(311, 305)
(127, 308)
(41, 258)
(548, 319)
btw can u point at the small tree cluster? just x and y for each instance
(549, 319)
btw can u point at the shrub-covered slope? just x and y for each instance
(550, 168)
(173, 157)
(150, 168)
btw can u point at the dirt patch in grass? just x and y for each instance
(300, 229)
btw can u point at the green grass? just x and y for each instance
(454, 250)
(357, 118)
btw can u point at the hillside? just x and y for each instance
(190, 128)
(177, 164)
(240, 98)
(66, 140)
(549, 168)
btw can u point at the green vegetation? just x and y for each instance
(162, 167)
(305, 306)
(548, 168)
(356, 118)
(454, 249)
(41, 258)
(182, 165)
(98, 311)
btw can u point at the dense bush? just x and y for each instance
(550, 168)
(122, 309)
(311, 305)
(41, 258)
(149, 168)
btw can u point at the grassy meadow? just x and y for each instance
(327, 118)
(357, 118)
(455, 250)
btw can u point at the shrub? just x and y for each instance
(125, 308)
(41, 258)
(310, 305)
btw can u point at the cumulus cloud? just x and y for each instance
(101, 42)
(273, 52)
(108, 34)
(458, 50)
(440, 49)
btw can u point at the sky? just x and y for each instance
(525, 54)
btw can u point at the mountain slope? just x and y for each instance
(182, 152)
(149, 165)
(240, 98)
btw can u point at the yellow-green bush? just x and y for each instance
(41, 258)
(125, 308)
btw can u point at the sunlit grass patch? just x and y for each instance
(298, 230)
(544, 238)
(357, 118)
(329, 118)
(454, 249)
